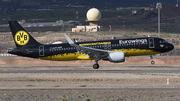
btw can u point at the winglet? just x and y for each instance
(69, 40)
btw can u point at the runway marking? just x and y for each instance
(167, 81)
(5, 70)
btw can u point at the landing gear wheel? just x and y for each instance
(152, 62)
(96, 66)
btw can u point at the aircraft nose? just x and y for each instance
(170, 47)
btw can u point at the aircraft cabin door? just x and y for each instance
(41, 50)
(151, 43)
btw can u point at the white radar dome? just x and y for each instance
(93, 15)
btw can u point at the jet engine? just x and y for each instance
(116, 57)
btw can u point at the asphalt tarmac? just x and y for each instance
(85, 77)
(90, 71)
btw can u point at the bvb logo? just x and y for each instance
(21, 38)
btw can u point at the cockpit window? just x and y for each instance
(163, 41)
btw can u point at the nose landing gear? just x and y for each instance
(152, 62)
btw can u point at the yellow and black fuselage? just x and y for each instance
(130, 47)
(65, 52)
(27, 46)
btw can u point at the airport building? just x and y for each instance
(93, 17)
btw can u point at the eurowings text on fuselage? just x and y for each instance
(114, 50)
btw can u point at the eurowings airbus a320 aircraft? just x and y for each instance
(114, 50)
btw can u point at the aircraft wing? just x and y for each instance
(87, 50)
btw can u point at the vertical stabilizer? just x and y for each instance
(21, 37)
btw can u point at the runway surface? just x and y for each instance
(77, 77)
(90, 71)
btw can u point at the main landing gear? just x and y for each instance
(152, 62)
(96, 65)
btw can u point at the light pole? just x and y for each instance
(158, 6)
(177, 4)
(109, 28)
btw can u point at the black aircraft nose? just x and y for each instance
(170, 47)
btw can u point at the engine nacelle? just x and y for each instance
(116, 57)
